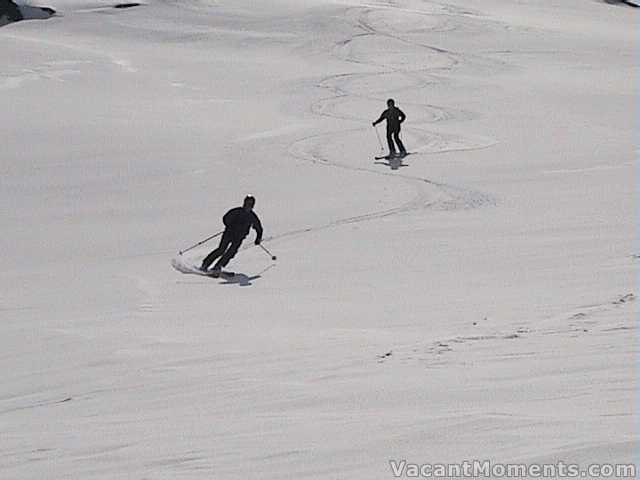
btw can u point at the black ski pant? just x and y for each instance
(394, 134)
(229, 245)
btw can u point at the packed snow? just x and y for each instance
(473, 300)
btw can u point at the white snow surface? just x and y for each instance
(477, 302)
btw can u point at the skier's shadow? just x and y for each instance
(243, 280)
(393, 163)
(240, 279)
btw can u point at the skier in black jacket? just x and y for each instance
(237, 221)
(394, 117)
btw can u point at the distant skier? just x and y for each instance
(394, 117)
(237, 221)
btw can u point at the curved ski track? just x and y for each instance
(344, 88)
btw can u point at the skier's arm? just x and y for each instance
(382, 117)
(401, 115)
(257, 226)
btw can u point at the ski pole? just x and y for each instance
(379, 141)
(200, 243)
(273, 257)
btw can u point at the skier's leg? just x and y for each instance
(392, 147)
(224, 243)
(396, 137)
(229, 253)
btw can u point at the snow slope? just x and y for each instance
(476, 303)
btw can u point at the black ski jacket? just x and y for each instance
(239, 221)
(394, 117)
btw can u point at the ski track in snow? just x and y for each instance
(348, 87)
(101, 56)
(590, 319)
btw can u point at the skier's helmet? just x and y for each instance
(249, 201)
(391, 102)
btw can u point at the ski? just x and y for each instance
(183, 267)
(391, 157)
(214, 274)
